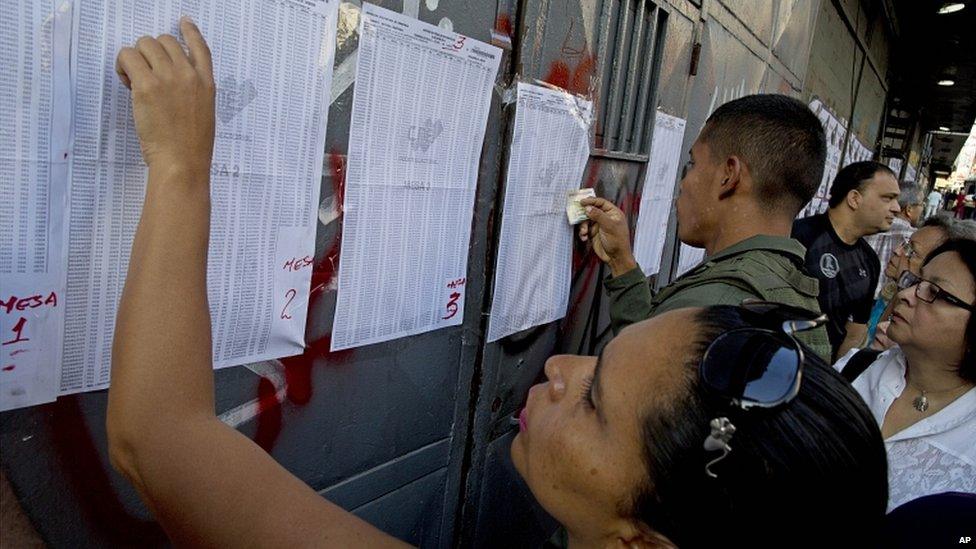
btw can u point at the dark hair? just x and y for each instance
(810, 470)
(852, 177)
(967, 252)
(781, 141)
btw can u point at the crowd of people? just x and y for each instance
(712, 417)
(958, 202)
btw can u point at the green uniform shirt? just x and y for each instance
(763, 267)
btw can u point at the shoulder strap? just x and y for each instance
(858, 363)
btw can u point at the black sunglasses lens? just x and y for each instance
(752, 365)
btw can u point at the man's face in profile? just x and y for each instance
(879, 202)
(694, 198)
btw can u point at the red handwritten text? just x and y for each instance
(452, 306)
(458, 44)
(32, 302)
(19, 330)
(455, 284)
(298, 263)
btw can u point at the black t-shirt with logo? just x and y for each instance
(848, 274)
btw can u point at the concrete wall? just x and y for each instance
(848, 72)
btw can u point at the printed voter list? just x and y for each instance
(34, 125)
(273, 65)
(420, 108)
(550, 148)
(658, 192)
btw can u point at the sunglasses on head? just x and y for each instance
(755, 366)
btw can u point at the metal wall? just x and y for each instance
(413, 434)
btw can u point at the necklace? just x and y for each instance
(921, 402)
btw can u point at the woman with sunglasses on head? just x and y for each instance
(922, 391)
(698, 426)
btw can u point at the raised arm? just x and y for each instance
(206, 483)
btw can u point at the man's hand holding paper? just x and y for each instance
(607, 229)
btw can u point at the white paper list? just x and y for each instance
(656, 198)
(273, 65)
(420, 107)
(34, 124)
(550, 148)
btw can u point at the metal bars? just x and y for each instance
(629, 54)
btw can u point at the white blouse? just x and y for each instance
(938, 453)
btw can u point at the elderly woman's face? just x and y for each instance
(580, 446)
(938, 328)
(910, 257)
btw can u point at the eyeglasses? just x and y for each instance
(908, 249)
(756, 366)
(930, 291)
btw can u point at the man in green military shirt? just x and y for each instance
(756, 163)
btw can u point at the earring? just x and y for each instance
(721, 433)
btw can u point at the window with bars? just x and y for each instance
(630, 49)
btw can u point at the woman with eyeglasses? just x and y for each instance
(922, 391)
(934, 232)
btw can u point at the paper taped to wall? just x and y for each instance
(550, 148)
(656, 198)
(420, 108)
(34, 122)
(273, 65)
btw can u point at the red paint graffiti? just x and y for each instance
(504, 24)
(558, 75)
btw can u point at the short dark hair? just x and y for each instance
(781, 141)
(852, 178)
(819, 459)
(967, 252)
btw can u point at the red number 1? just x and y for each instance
(19, 330)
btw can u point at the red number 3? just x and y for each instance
(452, 306)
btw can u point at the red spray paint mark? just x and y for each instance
(558, 74)
(337, 165)
(18, 351)
(298, 369)
(88, 479)
(583, 74)
(269, 415)
(504, 24)
(592, 268)
(298, 375)
(9, 368)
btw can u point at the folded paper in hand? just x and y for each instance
(575, 211)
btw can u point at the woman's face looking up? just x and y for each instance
(580, 447)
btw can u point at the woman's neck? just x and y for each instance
(928, 373)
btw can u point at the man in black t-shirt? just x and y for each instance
(863, 201)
